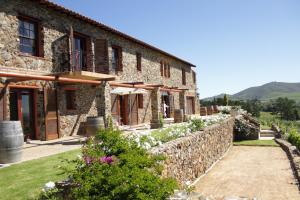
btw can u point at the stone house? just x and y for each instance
(58, 67)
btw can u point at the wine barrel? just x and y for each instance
(210, 110)
(216, 109)
(93, 125)
(178, 115)
(11, 141)
(203, 111)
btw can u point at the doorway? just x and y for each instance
(22, 109)
(125, 109)
(190, 105)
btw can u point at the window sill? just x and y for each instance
(31, 56)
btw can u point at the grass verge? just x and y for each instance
(269, 143)
(25, 180)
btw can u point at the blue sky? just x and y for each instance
(234, 43)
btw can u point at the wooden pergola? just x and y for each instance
(80, 77)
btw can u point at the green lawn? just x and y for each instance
(270, 143)
(25, 180)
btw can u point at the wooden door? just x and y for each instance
(51, 115)
(190, 109)
(2, 104)
(22, 108)
(115, 107)
(134, 109)
(171, 105)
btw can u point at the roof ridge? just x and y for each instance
(60, 8)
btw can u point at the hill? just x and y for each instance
(267, 92)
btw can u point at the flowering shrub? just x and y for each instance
(148, 139)
(113, 167)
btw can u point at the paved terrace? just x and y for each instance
(261, 172)
(37, 149)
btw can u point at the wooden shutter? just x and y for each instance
(101, 56)
(40, 31)
(120, 59)
(71, 44)
(171, 103)
(183, 77)
(89, 54)
(169, 73)
(2, 104)
(133, 109)
(51, 118)
(194, 77)
(161, 68)
(115, 107)
(139, 61)
(141, 100)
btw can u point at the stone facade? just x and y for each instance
(191, 156)
(91, 101)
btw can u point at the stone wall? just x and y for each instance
(55, 28)
(293, 155)
(246, 128)
(191, 156)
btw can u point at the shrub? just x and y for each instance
(116, 168)
(196, 125)
(161, 120)
(294, 138)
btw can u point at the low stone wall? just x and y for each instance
(293, 155)
(246, 128)
(191, 156)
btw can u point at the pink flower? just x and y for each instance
(87, 160)
(106, 159)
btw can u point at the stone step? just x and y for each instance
(266, 135)
(169, 120)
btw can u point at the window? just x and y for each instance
(140, 101)
(161, 68)
(139, 61)
(165, 69)
(117, 58)
(183, 77)
(28, 36)
(194, 77)
(168, 69)
(79, 55)
(70, 99)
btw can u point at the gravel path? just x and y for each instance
(261, 172)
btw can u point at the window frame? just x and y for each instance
(194, 76)
(73, 97)
(37, 42)
(140, 101)
(139, 61)
(84, 40)
(119, 61)
(183, 74)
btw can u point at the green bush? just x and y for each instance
(196, 125)
(161, 120)
(116, 168)
(294, 138)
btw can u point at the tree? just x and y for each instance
(286, 108)
(225, 100)
(252, 106)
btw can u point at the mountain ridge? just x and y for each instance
(265, 92)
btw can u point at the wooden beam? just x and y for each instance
(48, 78)
(116, 84)
(170, 90)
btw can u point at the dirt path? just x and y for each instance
(261, 172)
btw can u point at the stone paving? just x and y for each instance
(37, 149)
(262, 173)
